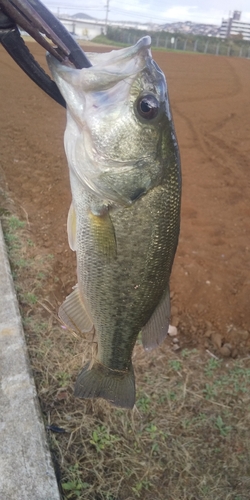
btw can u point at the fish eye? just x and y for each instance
(148, 106)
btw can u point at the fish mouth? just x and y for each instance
(107, 68)
(141, 47)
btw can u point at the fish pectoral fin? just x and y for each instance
(99, 381)
(73, 313)
(71, 227)
(156, 329)
(103, 233)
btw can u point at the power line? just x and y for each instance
(116, 12)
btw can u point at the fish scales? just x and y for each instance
(125, 214)
(131, 292)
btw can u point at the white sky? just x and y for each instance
(200, 11)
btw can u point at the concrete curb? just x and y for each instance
(26, 470)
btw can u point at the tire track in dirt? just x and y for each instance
(213, 247)
(204, 135)
(222, 148)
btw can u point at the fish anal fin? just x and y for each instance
(71, 227)
(73, 313)
(156, 329)
(103, 234)
(99, 381)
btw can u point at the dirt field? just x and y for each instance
(211, 108)
(187, 437)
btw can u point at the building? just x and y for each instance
(85, 29)
(88, 28)
(234, 27)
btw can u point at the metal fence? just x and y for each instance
(205, 45)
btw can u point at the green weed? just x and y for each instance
(24, 263)
(144, 484)
(63, 378)
(175, 364)
(30, 298)
(12, 240)
(101, 438)
(75, 486)
(41, 275)
(222, 427)
(143, 403)
(14, 223)
(209, 391)
(211, 366)
(185, 353)
(152, 430)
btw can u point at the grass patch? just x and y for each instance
(186, 439)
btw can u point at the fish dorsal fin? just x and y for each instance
(71, 227)
(73, 313)
(156, 329)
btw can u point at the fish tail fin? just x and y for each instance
(99, 381)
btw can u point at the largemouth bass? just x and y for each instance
(124, 219)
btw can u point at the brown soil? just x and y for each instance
(211, 108)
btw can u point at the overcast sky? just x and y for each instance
(200, 11)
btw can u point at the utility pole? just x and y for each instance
(106, 20)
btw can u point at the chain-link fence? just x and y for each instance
(188, 43)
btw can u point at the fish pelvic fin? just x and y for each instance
(99, 381)
(156, 329)
(73, 313)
